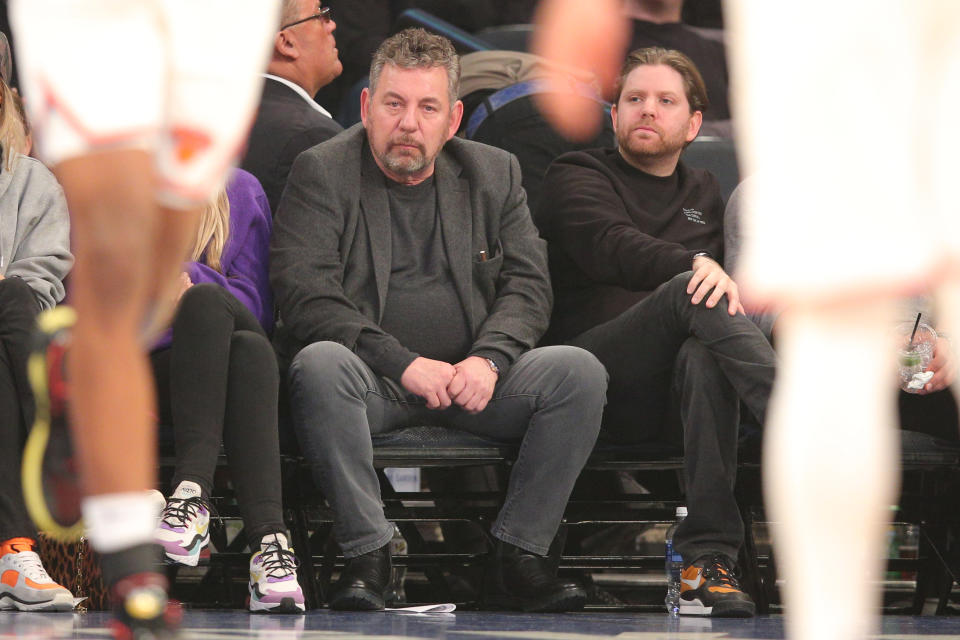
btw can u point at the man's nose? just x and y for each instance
(408, 119)
(648, 106)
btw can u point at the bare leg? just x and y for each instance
(831, 467)
(111, 201)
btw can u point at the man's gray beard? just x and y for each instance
(404, 165)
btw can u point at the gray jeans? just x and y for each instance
(551, 400)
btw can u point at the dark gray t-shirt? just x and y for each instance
(423, 310)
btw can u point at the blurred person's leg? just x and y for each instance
(99, 142)
(588, 35)
(148, 133)
(831, 463)
(941, 76)
(830, 466)
(110, 196)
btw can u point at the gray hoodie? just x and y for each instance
(34, 229)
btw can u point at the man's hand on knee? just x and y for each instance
(709, 276)
(429, 379)
(472, 386)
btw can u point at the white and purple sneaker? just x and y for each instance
(273, 578)
(184, 527)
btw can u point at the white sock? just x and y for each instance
(187, 489)
(158, 500)
(118, 521)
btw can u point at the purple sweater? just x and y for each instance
(245, 256)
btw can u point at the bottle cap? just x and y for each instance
(681, 512)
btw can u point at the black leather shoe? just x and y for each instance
(363, 582)
(518, 579)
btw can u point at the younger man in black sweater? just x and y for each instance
(635, 241)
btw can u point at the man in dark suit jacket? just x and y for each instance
(412, 288)
(289, 120)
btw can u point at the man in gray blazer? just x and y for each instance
(412, 288)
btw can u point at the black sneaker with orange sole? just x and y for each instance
(51, 486)
(710, 587)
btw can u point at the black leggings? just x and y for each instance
(18, 312)
(219, 380)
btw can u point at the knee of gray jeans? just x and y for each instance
(579, 372)
(321, 364)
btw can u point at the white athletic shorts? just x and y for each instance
(847, 113)
(179, 77)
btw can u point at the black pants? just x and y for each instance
(219, 381)
(665, 357)
(18, 311)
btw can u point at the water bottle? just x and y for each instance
(674, 565)
(910, 549)
(396, 593)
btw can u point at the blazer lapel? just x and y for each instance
(376, 211)
(456, 221)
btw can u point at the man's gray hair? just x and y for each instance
(288, 12)
(418, 49)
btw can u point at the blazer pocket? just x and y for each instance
(485, 275)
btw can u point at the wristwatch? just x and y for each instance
(493, 366)
(698, 254)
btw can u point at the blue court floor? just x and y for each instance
(471, 625)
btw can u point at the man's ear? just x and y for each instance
(285, 45)
(364, 104)
(455, 119)
(696, 120)
(613, 116)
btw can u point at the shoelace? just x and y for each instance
(719, 569)
(277, 561)
(32, 567)
(179, 510)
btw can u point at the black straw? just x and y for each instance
(914, 332)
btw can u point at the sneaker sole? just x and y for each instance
(191, 559)
(719, 610)
(51, 324)
(60, 602)
(287, 605)
(186, 561)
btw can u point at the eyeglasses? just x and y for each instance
(323, 14)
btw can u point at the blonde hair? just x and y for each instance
(213, 232)
(13, 134)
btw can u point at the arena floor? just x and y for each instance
(470, 625)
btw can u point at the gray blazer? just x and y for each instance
(330, 256)
(34, 230)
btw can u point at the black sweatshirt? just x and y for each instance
(616, 233)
